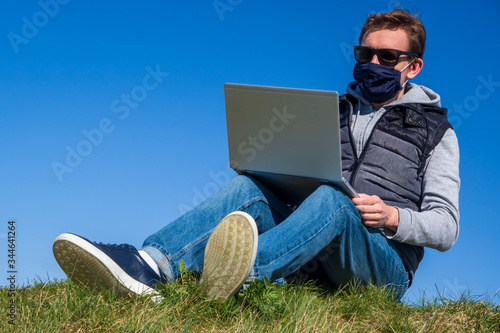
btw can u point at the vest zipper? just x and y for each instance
(357, 162)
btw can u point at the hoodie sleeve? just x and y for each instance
(436, 225)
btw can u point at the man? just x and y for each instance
(397, 147)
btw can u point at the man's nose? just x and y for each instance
(375, 59)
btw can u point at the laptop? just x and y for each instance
(286, 138)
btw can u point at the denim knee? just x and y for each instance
(327, 197)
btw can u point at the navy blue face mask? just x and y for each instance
(378, 83)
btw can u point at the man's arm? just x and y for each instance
(436, 225)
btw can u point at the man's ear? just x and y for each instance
(415, 68)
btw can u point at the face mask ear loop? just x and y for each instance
(411, 62)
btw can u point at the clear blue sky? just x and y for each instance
(93, 143)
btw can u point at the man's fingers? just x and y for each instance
(366, 200)
(367, 209)
(371, 216)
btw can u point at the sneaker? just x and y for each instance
(107, 267)
(230, 255)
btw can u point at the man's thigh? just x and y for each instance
(363, 254)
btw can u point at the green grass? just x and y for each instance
(263, 307)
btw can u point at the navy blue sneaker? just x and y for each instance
(107, 267)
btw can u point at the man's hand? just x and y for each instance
(375, 213)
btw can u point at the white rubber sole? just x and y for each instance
(85, 264)
(230, 255)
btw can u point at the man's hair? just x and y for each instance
(402, 19)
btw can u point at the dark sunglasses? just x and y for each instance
(386, 57)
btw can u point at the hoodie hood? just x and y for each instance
(414, 94)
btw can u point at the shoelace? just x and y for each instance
(118, 246)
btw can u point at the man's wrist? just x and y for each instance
(393, 221)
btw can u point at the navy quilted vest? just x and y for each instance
(393, 159)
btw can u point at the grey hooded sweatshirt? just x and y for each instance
(436, 224)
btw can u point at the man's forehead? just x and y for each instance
(387, 39)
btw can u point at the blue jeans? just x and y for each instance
(325, 230)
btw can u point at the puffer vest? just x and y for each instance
(392, 162)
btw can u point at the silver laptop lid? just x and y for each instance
(283, 131)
